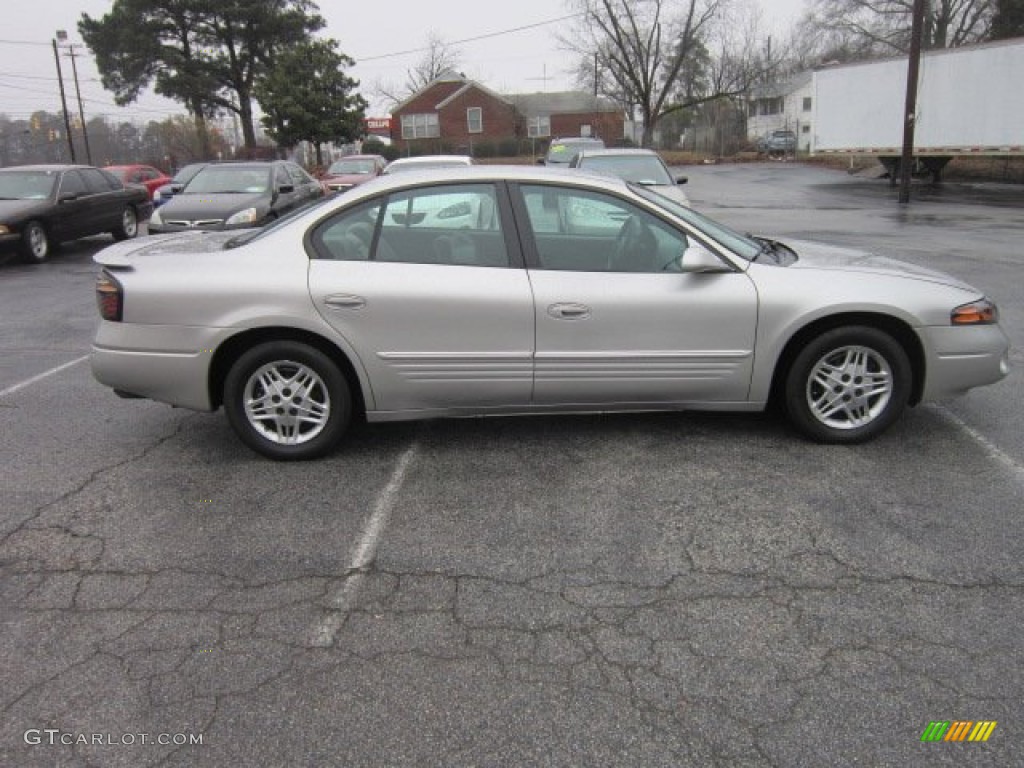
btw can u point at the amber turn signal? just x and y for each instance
(981, 312)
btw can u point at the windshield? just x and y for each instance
(743, 246)
(347, 167)
(184, 176)
(225, 179)
(27, 185)
(642, 169)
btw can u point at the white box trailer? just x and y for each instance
(970, 101)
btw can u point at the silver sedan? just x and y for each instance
(493, 290)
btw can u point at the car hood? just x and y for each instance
(814, 255)
(12, 210)
(213, 206)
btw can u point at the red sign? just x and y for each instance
(378, 125)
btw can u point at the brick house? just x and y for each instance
(454, 114)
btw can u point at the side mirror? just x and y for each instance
(176, 188)
(682, 179)
(697, 259)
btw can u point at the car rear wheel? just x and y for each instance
(848, 385)
(129, 224)
(35, 243)
(287, 400)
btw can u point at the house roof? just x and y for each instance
(781, 87)
(469, 85)
(561, 103)
(447, 76)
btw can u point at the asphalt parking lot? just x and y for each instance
(628, 590)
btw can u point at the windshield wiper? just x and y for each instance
(766, 246)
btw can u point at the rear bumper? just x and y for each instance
(170, 364)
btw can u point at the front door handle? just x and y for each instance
(569, 311)
(345, 301)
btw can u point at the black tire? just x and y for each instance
(262, 373)
(35, 243)
(129, 226)
(849, 360)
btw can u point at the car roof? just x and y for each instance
(357, 157)
(619, 151)
(577, 140)
(245, 164)
(49, 167)
(458, 159)
(470, 173)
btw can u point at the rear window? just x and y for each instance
(563, 151)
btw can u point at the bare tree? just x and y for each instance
(857, 29)
(438, 57)
(659, 56)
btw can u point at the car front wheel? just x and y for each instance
(35, 243)
(129, 227)
(287, 400)
(848, 385)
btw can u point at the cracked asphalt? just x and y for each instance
(635, 590)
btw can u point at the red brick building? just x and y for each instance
(454, 114)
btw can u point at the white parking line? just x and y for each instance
(39, 377)
(991, 449)
(366, 550)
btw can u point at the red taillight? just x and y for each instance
(109, 297)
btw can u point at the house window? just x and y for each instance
(538, 126)
(805, 129)
(423, 126)
(807, 103)
(475, 120)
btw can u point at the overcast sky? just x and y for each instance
(519, 53)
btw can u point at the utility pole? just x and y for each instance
(81, 111)
(913, 67)
(61, 34)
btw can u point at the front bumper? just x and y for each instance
(960, 358)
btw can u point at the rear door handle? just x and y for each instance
(345, 301)
(569, 311)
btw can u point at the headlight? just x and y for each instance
(981, 312)
(248, 216)
(157, 197)
(155, 219)
(4, 230)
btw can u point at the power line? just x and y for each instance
(472, 39)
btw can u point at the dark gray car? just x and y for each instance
(236, 195)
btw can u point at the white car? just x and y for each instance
(427, 163)
(522, 290)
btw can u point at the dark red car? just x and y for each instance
(352, 170)
(146, 175)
